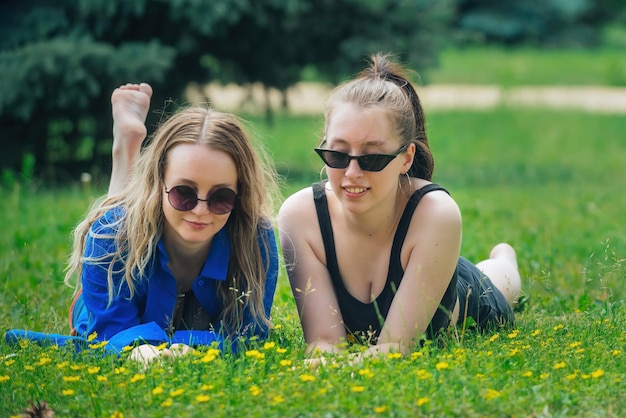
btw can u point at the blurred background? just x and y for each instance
(61, 59)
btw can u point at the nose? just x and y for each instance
(353, 169)
(201, 208)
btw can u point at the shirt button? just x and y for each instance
(200, 282)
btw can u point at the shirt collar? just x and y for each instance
(216, 265)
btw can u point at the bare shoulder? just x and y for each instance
(297, 208)
(438, 209)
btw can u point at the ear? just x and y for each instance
(408, 156)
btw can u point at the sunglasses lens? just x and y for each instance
(334, 159)
(222, 201)
(374, 162)
(182, 198)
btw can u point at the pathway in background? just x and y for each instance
(308, 98)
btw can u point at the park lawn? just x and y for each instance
(547, 181)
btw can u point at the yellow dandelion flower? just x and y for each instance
(102, 378)
(544, 375)
(269, 345)
(442, 365)
(127, 348)
(98, 345)
(513, 334)
(157, 390)
(255, 354)
(357, 388)
(10, 362)
(580, 350)
(206, 387)
(423, 374)
(92, 336)
(4, 378)
(29, 367)
(161, 346)
(527, 373)
(616, 352)
(202, 398)
(62, 365)
(307, 378)
(208, 357)
(117, 414)
(167, 402)
(394, 355)
(366, 372)
(514, 352)
(380, 409)
(71, 378)
(494, 337)
(559, 365)
(480, 375)
(278, 326)
(421, 401)
(67, 392)
(585, 376)
(281, 350)
(558, 327)
(120, 370)
(285, 363)
(77, 367)
(491, 394)
(44, 361)
(278, 399)
(255, 390)
(137, 377)
(597, 373)
(416, 354)
(575, 344)
(177, 392)
(571, 376)
(93, 369)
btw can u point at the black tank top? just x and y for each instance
(364, 321)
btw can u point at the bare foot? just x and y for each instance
(130, 104)
(501, 267)
(504, 250)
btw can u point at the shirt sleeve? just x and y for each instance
(122, 312)
(269, 254)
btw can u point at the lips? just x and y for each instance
(355, 190)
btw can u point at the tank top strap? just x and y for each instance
(326, 229)
(405, 220)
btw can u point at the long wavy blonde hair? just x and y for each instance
(140, 224)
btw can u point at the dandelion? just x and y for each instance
(62, 365)
(575, 344)
(380, 409)
(597, 373)
(544, 375)
(177, 392)
(71, 378)
(559, 365)
(67, 392)
(93, 369)
(202, 398)
(77, 367)
(137, 377)
(92, 336)
(494, 337)
(571, 376)
(98, 345)
(278, 326)
(442, 365)
(366, 373)
(120, 370)
(513, 334)
(421, 401)
(28, 367)
(357, 388)
(167, 402)
(127, 348)
(423, 374)
(102, 378)
(307, 378)
(269, 345)
(117, 414)
(513, 352)
(208, 357)
(616, 352)
(157, 390)
(278, 399)
(480, 376)
(285, 363)
(558, 327)
(161, 346)
(206, 387)
(491, 394)
(4, 378)
(584, 376)
(255, 354)
(527, 373)
(416, 354)
(394, 355)
(44, 360)
(281, 350)
(254, 390)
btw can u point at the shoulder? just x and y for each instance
(438, 209)
(109, 222)
(297, 207)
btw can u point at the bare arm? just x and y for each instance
(310, 281)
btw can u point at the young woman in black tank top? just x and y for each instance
(373, 253)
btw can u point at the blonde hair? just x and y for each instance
(384, 85)
(138, 229)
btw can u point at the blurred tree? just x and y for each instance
(538, 22)
(60, 59)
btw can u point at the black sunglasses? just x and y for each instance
(184, 198)
(367, 162)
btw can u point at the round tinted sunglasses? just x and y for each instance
(367, 162)
(185, 198)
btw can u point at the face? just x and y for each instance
(205, 170)
(356, 131)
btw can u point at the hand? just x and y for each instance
(144, 354)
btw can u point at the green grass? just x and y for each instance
(525, 66)
(549, 182)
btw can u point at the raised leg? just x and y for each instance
(501, 268)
